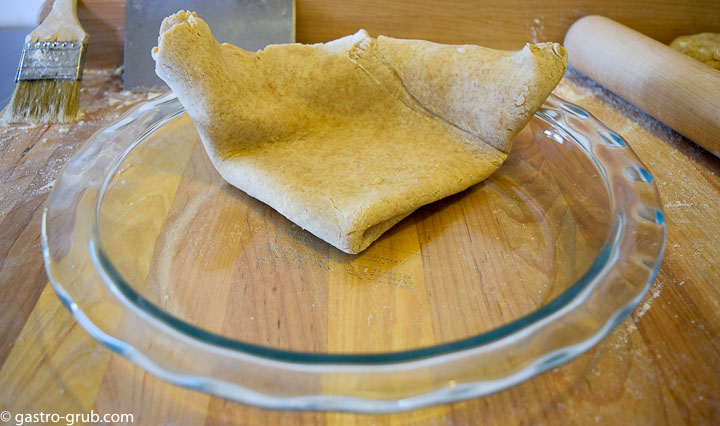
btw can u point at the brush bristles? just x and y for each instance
(44, 101)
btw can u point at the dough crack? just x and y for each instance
(412, 101)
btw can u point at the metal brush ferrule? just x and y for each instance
(52, 60)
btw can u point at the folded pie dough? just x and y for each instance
(349, 137)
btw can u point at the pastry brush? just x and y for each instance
(51, 67)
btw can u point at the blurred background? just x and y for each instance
(16, 22)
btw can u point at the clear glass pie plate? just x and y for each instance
(197, 283)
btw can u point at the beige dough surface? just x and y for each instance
(705, 47)
(347, 138)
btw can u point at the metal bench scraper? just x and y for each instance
(248, 24)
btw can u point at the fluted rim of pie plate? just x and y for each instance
(557, 113)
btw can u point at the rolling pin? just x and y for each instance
(672, 87)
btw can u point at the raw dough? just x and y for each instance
(349, 137)
(705, 47)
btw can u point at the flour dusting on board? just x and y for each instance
(590, 88)
(36, 154)
(654, 294)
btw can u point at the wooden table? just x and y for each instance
(662, 365)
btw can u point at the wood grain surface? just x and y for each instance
(506, 25)
(661, 366)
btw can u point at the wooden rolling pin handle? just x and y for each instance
(672, 87)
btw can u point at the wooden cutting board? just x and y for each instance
(660, 366)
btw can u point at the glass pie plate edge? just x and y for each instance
(178, 352)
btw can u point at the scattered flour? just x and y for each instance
(536, 30)
(46, 188)
(34, 155)
(656, 290)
